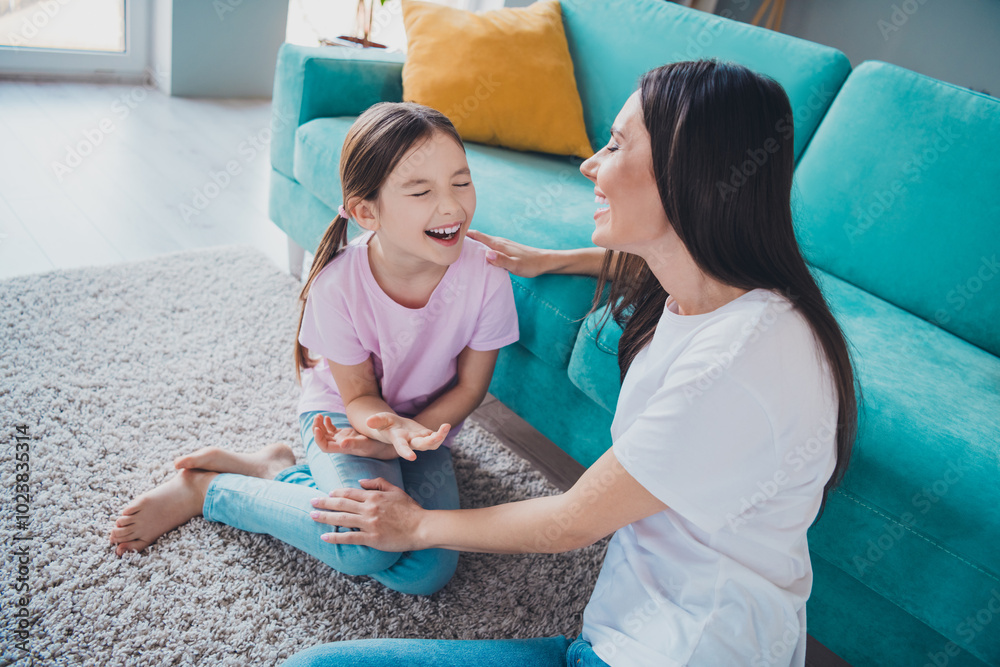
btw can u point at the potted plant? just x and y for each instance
(362, 26)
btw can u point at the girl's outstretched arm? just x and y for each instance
(475, 370)
(528, 262)
(603, 500)
(371, 416)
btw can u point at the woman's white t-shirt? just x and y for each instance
(729, 418)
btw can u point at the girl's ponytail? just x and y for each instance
(334, 239)
(374, 145)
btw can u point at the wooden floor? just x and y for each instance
(95, 174)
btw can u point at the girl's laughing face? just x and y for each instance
(426, 205)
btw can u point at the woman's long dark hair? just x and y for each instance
(723, 157)
(374, 145)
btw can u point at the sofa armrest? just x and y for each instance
(319, 82)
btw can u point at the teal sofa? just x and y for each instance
(897, 208)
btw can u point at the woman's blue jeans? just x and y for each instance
(541, 652)
(281, 507)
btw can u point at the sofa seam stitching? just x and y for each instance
(852, 497)
(592, 328)
(541, 301)
(881, 595)
(925, 77)
(602, 348)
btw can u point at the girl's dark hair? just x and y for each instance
(374, 145)
(723, 157)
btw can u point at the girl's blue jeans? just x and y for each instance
(541, 652)
(281, 507)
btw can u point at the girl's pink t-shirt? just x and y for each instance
(414, 351)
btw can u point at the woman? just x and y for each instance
(736, 417)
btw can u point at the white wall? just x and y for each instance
(309, 20)
(222, 48)
(957, 41)
(160, 29)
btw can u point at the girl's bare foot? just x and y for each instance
(155, 512)
(265, 463)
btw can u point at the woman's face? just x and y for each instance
(631, 218)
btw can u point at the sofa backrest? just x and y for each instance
(613, 42)
(899, 194)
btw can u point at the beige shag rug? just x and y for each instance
(116, 370)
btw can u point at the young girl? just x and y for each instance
(398, 335)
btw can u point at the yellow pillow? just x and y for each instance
(503, 77)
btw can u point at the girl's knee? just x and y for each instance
(436, 570)
(358, 560)
(321, 655)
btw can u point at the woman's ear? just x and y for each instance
(363, 212)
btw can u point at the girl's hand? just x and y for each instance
(386, 518)
(333, 440)
(519, 259)
(406, 435)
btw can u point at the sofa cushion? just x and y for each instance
(515, 87)
(662, 32)
(920, 503)
(316, 161)
(537, 199)
(916, 217)
(546, 399)
(319, 82)
(593, 366)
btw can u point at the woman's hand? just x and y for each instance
(605, 498)
(528, 262)
(406, 435)
(385, 517)
(519, 259)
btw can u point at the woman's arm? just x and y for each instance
(603, 500)
(528, 262)
(475, 370)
